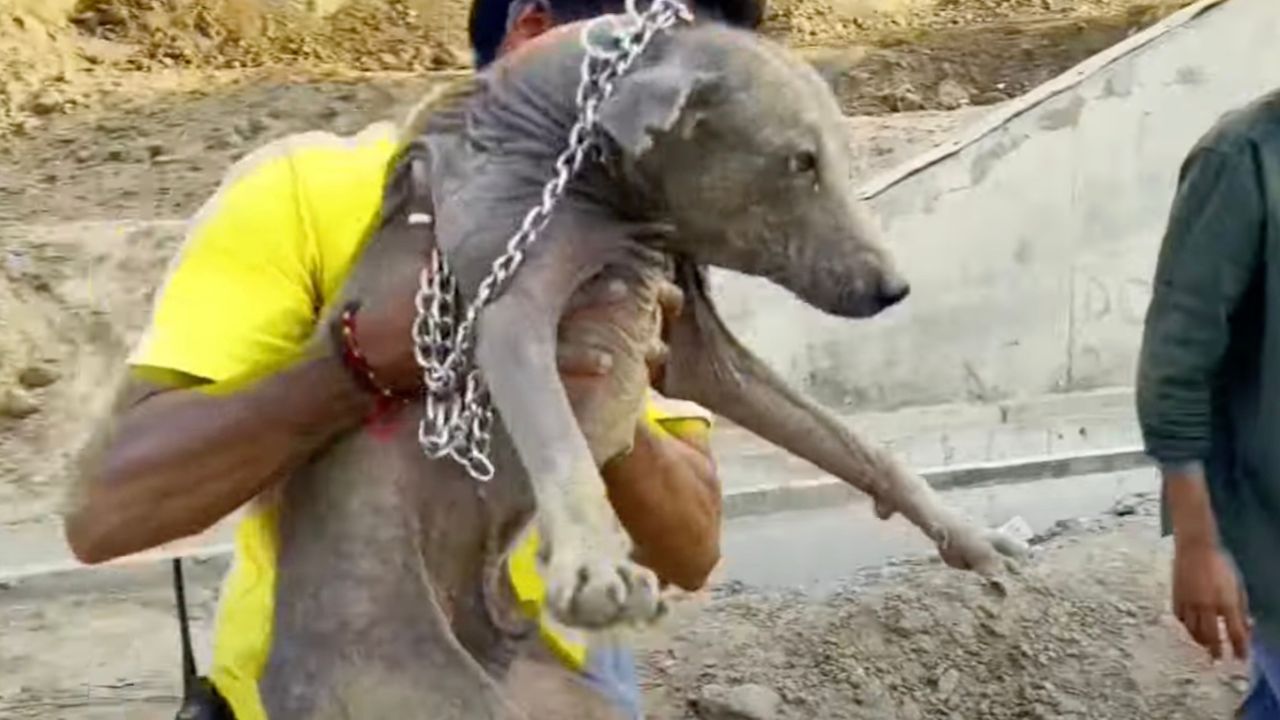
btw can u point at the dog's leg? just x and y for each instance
(709, 366)
(359, 630)
(590, 580)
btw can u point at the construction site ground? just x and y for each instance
(123, 119)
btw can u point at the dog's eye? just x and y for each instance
(802, 162)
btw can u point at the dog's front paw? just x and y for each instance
(989, 553)
(597, 593)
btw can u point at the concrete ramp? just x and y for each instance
(1030, 240)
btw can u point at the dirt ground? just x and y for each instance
(1083, 634)
(117, 125)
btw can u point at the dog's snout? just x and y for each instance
(892, 293)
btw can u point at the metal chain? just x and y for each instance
(458, 415)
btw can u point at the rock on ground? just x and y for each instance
(740, 702)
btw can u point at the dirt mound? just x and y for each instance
(1085, 634)
(82, 307)
(882, 55)
(52, 62)
(361, 35)
(31, 54)
(894, 23)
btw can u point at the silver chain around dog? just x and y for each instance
(458, 415)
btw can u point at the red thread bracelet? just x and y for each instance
(361, 371)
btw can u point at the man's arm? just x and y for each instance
(1206, 263)
(1205, 587)
(1207, 260)
(665, 490)
(667, 496)
(172, 461)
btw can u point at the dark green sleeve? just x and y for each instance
(1206, 262)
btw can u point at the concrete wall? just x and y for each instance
(1031, 243)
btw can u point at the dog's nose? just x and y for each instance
(893, 293)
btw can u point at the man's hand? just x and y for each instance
(1206, 591)
(579, 359)
(1207, 594)
(671, 302)
(384, 326)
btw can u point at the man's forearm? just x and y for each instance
(177, 461)
(666, 495)
(1190, 507)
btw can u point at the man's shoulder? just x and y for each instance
(304, 148)
(1246, 128)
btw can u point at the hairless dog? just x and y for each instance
(721, 149)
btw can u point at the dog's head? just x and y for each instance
(746, 147)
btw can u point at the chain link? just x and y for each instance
(458, 417)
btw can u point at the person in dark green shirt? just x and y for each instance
(1208, 392)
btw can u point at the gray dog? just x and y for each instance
(721, 149)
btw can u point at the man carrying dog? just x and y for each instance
(261, 259)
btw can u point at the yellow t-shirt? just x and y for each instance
(242, 297)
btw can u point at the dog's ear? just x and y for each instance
(655, 100)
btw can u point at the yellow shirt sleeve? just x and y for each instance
(265, 253)
(678, 418)
(240, 296)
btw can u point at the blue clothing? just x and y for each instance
(611, 670)
(1263, 700)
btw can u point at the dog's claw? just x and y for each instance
(608, 594)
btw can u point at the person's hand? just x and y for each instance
(671, 303)
(384, 331)
(1207, 595)
(580, 357)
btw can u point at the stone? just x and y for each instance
(38, 376)
(947, 683)
(990, 97)
(17, 403)
(952, 95)
(1070, 705)
(904, 100)
(47, 103)
(739, 702)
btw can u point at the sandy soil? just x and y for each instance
(129, 116)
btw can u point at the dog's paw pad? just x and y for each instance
(602, 594)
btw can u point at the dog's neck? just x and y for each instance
(524, 112)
